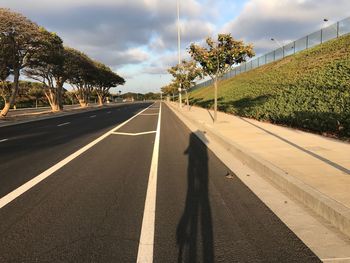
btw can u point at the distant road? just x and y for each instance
(137, 185)
(21, 111)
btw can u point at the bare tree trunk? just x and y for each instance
(215, 99)
(12, 98)
(59, 89)
(53, 101)
(82, 98)
(187, 100)
(83, 103)
(100, 100)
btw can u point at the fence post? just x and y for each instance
(307, 41)
(337, 29)
(294, 46)
(283, 52)
(321, 36)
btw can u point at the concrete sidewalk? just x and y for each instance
(311, 168)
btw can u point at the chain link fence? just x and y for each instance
(330, 32)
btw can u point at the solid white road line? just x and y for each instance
(149, 113)
(63, 124)
(4, 140)
(335, 259)
(28, 185)
(133, 134)
(146, 243)
(92, 116)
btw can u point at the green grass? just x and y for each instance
(309, 90)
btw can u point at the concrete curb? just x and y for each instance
(334, 212)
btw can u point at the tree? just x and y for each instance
(5, 71)
(170, 89)
(36, 92)
(218, 57)
(20, 38)
(105, 79)
(81, 76)
(185, 74)
(47, 66)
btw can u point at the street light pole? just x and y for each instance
(277, 42)
(179, 46)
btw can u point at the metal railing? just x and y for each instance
(327, 33)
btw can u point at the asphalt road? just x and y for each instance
(92, 208)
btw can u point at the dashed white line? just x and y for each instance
(63, 124)
(108, 112)
(149, 114)
(146, 244)
(92, 116)
(28, 185)
(4, 140)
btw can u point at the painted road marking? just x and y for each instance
(149, 114)
(335, 259)
(63, 124)
(28, 185)
(92, 116)
(108, 112)
(133, 134)
(146, 243)
(4, 140)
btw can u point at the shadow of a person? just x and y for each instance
(195, 225)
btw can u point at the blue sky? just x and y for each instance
(137, 38)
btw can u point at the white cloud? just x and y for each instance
(260, 20)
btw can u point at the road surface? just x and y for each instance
(128, 184)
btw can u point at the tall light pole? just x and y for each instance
(277, 42)
(179, 45)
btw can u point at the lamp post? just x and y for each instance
(334, 26)
(277, 42)
(179, 45)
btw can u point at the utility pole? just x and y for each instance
(179, 46)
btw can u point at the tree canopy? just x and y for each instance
(39, 54)
(219, 56)
(185, 75)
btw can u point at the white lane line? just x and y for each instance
(146, 243)
(92, 116)
(63, 124)
(149, 114)
(4, 140)
(335, 259)
(108, 112)
(133, 134)
(28, 185)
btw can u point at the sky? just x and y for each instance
(138, 38)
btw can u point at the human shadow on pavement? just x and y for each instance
(195, 230)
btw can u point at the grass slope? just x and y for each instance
(309, 90)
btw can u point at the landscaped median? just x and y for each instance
(312, 169)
